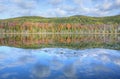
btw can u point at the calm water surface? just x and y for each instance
(60, 57)
(74, 41)
(59, 63)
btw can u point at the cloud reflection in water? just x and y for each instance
(59, 63)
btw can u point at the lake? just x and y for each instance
(73, 41)
(59, 56)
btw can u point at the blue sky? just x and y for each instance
(58, 8)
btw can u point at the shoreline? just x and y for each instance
(65, 33)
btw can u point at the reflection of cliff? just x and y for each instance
(41, 40)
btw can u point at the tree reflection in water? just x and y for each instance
(61, 40)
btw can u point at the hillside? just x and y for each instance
(72, 24)
(71, 19)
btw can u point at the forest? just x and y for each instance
(73, 24)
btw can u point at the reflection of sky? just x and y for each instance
(59, 63)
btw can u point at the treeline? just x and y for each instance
(73, 24)
(36, 27)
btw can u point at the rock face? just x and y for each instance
(59, 63)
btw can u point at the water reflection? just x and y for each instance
(59, 63)
(61, 40)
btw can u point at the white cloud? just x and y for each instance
(22, 7)
(2, 8)
(7, 75)
(55, 2)
(60, 12)
(25, 4)
(56, 64)
(118, 2)
(117, 61)
(55, 12)
(107, 5)
(78, 1)
(96, 8)
(59, 8)
(41, 71)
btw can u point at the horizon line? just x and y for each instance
(59, 16)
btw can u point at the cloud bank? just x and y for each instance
(58, 8)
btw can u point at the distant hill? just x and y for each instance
(73, 24)
(72, 19)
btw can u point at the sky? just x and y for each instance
(58, 8)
